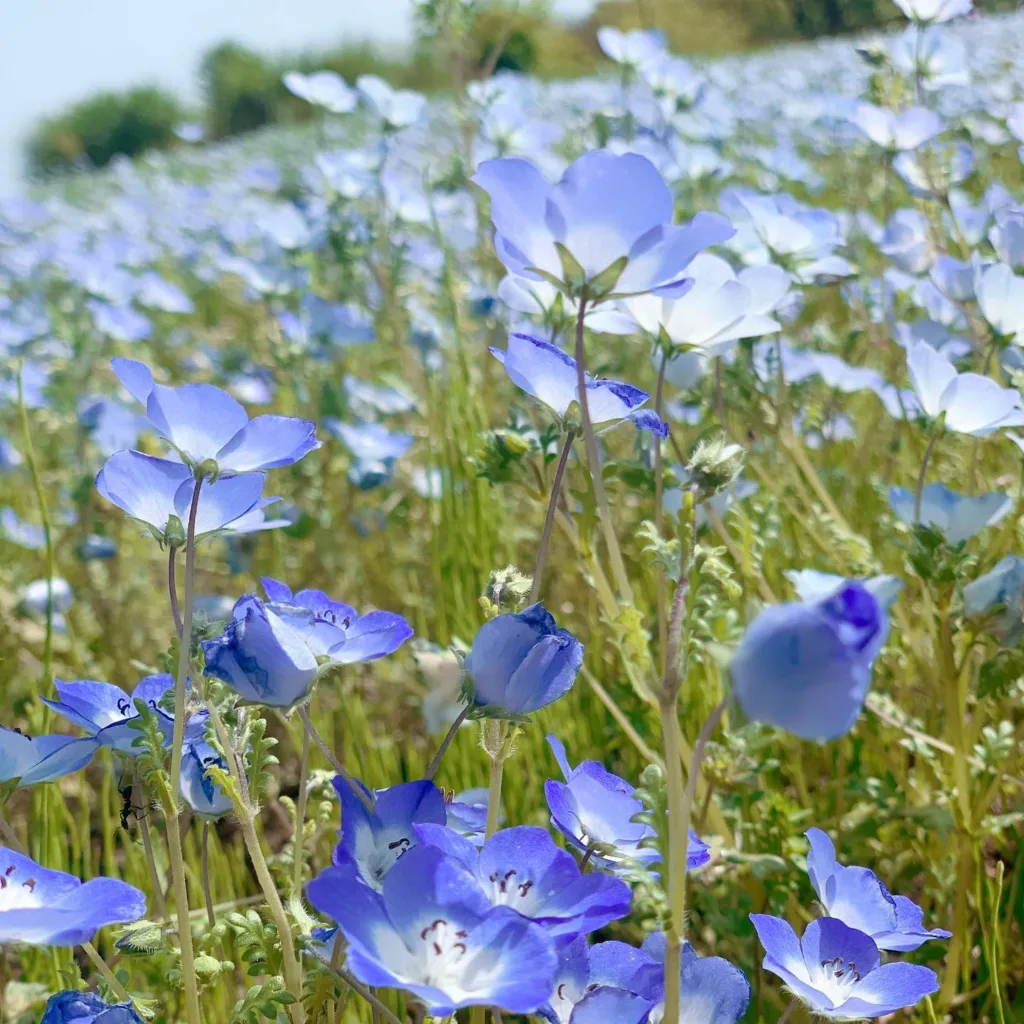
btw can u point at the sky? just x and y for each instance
(54, 52)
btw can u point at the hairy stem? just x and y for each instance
(549, 519)
(332, 759)
(204, 860)
(659, 515)
(147, 845)
(435, 761)
(919, 487)
(300, 816)
(172, 588)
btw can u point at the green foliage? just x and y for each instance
(92, 133)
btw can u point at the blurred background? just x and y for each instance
(82, 81)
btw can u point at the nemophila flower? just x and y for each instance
(630, 49)
(1007, 237)
(156, 292)
(956, 516)
(812, 585)
(206, 425)
(907, 241)
(606, 226)
(158, 493)
(720, 308)
(806, 666)
(122, 323)
(337, 630)
(932, 56)
(835, 970)
(373, 841)
(857, 897)
(15, 530)
(522, 661)
(40, 907)
(934, 11)
(42, 758)
(36, 597)
(966, 403)
(397, 108)
(467, 813)
(935, 168)
(1000, 294)
(197, 789)
(522, 868)
(431, 932)
(374, 449)
(894, 131)
(999, 596)
(10, 457)
(550, 376)
(86, 1008)
(325, 89)
(104, 711)
(593, 806)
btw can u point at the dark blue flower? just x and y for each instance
(806, 666)
(86, 1008)
(42, 758)
(835, 970)
(431, 932)
(521, 662)
(50, 908)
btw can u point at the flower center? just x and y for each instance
(17, 893)
(509, 889)
(444, 946)
(383, 857)
(838, 978)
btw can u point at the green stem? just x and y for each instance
(108, 975)
(332, 759)
(204, 860)
(147, 845)
(494, 796)
(549, 520)
(659, 514)
(44, 517)
(919, 488)
(435, 761)
(188, 973)
(594, 461)
(300, 817)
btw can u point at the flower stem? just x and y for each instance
(204, 858)
(108, 975)
(188, 973)
(300, 817)
(659, 514)
(147, 845)
(495, 735)
(332, 759)
(172, 588)
(44, 518)
(919, 488)
(549, 520)
(594, 461)
(435, 761)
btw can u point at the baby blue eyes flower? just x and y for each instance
(206, 425)
(153, 490)
(967, 402)
(546, 373)
(198, 790)
(906, 130)
(325, 89)
(105, 711)
(431, 933)
(934, 11)
(42, 758)
(521, 662)
(397, 108)
(86, 1008)
(999, 594)
(522, 868)
(812, 585)
(40, 907)
(857, 897)
(595, 806)
(806, 667)
(1000, 294)
(606, 225)
(630, 49)
(835, 970)
(956, 516)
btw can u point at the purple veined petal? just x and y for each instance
(198, 419)
(135, 378)
(861, 901)
(220, 502)
(449, 842)
(784, 958)
(268, 442)
(608, 1005)
(821, 863)
(519, 200)
(889, 988)
(612, 400)
(910, 932)
(542, 370)
(545, 674)
(91, 705)
(142, 486)
(828, 939)
(276, 591)
(931, 373)
(713, 990)
(620, 965)
(606, 205)
(371, 636)
(649, 420)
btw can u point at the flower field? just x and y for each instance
(551, 551)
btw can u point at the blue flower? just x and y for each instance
(205, 424)
(261, 656)
(431, 932)
(467, 814)
(606, 210)
(337, 630)
(999, 591)
(835, 970)
(521, 662)
(857, 897)
(956, 516)
(812, 585)
(373, 841)
(152, 490)
(522, 868)
(50, 908)
(42, 758)
(86, 1008)
(198, 790)
(104, 711)
(325, 89)
(546, 373)
(595, 806)
(806, 666)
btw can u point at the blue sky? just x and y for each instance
(53, 52)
